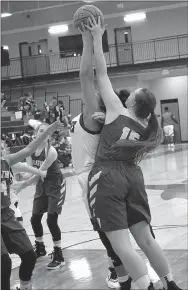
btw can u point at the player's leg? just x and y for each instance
(6, 265)
(107, 189)
(112, 278)
(39, 208)
(17, 242)
(138, 218)
(56, 197)
(117, 272)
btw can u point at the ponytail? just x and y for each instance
(151, 137)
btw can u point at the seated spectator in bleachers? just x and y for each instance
(3, 100)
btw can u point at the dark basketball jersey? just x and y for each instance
(53, 171)
(121, 128)
(6, 181)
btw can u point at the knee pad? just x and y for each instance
(37, 225)
(53, 226)
(52, 220)
(36, 219)
(28, 261)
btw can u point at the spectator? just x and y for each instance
(167, 123)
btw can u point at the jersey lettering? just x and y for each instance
(129, 134)
(37, 163)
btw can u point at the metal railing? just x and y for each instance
(152, 50)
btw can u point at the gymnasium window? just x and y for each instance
(71, 45)
(5, 61)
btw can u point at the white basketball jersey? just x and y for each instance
(84, 145)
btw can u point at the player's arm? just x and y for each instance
(91, 103)
(22, 167)
(174, 119)
(113, 104)
(52, 156)
(32, 147)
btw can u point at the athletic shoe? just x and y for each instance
(57, 259)
(126, 285)
(172, 285)
(112, 279)
(39, 249)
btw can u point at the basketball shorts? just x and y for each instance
(83, 182)
(116, 196)
(14, 239)
(49, 196)
(169, 130)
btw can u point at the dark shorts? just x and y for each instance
(117, 197)
(14, 238)
(49, 197)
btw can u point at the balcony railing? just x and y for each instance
(153, 50)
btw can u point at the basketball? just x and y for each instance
(86, 11)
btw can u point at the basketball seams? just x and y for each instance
(80, 16)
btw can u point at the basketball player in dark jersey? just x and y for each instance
(13, 236)
(49, 197)
(117, 197)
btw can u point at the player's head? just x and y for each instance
(54, 101)
(40, 129)
(143, 102)
(166, 109)
(123, 95)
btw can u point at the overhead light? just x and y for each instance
(5, 47)
(58, 29)
(3, 15)
(135, 17)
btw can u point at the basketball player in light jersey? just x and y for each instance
(49, 197)
(14, 238)
(85, 135)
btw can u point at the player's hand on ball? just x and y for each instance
(99, 117)
(96, 28)
(85, 33)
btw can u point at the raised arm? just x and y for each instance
(113, 104)
(90, 100)
(32, 147)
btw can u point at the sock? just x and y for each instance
(25, 285)
(57, 244)
(123, 279)
(143, 282)
(39, 239)
(166, 279)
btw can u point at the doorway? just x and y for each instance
(123, 41)
(173, 107)
(34, 58)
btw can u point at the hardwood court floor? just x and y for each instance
(165, 174)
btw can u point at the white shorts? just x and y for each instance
(169, 130)
(83, 182)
